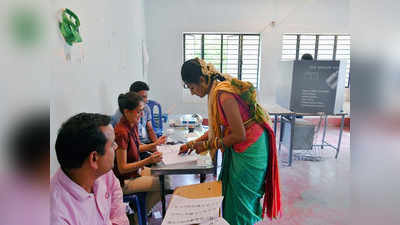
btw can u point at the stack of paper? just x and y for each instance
(170, 155)
(183, 211)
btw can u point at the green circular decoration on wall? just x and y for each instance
(69, 27)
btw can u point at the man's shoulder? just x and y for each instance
(147, 112)
(146, 108)
(55, 181)
(59, 199)
(57, 189)
(62, 210)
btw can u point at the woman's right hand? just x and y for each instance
(155, 157)
(185, 148)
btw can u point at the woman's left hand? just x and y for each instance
(197, 146)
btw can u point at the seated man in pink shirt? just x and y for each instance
(85, 190)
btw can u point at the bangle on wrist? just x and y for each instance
(191, 144)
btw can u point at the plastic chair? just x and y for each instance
(156, 117)
(139, 200)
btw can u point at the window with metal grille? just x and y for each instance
(320, 46)
(235, 54)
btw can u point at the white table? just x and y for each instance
(180, 135)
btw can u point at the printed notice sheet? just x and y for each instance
(218, 221)
(183, 211)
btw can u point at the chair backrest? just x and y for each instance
(139, 200)
(156, 116)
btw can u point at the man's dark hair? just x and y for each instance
(139, 86)
(128, 101)
(78, 137)
(307, 56)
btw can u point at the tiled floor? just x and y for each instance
(313, 192)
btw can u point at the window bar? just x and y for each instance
(297, 47)
(184, 47)
(240, 57)
(334, 47)
(202, 46)
(222, 53)
(258, 58)
(316, 47)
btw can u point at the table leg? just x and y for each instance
(340, 136)
(281, 130)
(292, 125)
(324, 133)
(202, 177)
(162, 187)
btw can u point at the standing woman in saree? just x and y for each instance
(240, 128)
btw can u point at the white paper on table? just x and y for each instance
(218, 221)
(170, 155)
(183, 211)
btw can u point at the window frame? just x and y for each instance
(316, 47)
(240, 50)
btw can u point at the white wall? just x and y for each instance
(112, 34)
(167, 20)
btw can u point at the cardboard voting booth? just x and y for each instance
(312, 86)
